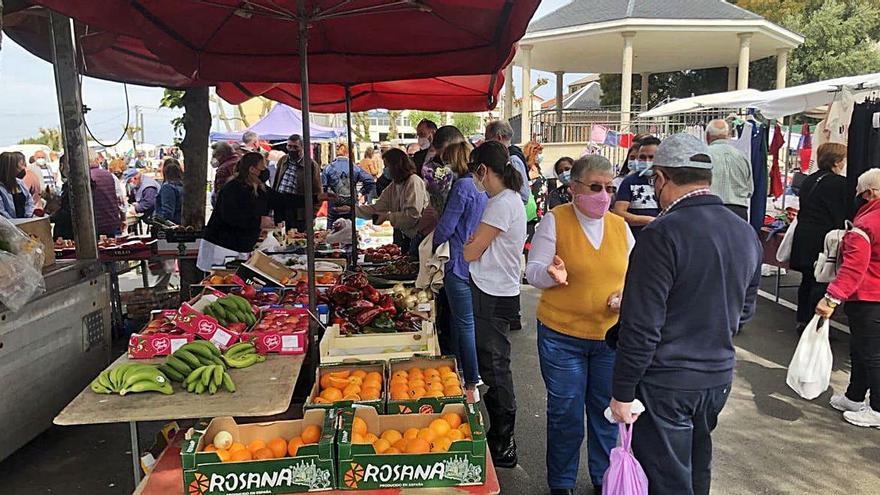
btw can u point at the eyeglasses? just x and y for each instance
(597, 187)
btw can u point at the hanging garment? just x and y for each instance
(744, 143)
(821, 137)
(776, 188)
(759, 174)
(805, 147)
(863, 150)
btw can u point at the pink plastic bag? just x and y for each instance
(625, 475)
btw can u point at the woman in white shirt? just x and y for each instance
(494, 255)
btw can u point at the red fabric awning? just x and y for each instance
(450, 94)
(353, 42)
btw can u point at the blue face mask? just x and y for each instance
(632, 165)
(565, 177)
(638, 166)
(540, 159)
(386, 172)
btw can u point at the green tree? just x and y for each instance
(416, 116)
(467, 123)
(361, 126)
(50, 137)
(393, 120)
(173, 98)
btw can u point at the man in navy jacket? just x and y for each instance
(691, 285)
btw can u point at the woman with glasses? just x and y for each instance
(579, 259)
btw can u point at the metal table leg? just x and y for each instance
(115, 300)
(135, 452)
(778, 282)
(145, 273)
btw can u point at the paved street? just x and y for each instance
(769, 441)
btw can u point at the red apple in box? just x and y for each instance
(283, 331)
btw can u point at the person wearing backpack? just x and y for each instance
(823, 208)
(858, 284)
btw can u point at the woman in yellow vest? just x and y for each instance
(579, 258)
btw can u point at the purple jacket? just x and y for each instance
(108, 220)
(464, 208)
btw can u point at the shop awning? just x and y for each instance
(349, 42)
(729, 99)
(450, 94)
(278, 124)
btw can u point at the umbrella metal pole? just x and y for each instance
(309, 177)
(351, 179)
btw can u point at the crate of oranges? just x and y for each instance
(423, 385)
(444, 449)
(343, 385)
(222, 457)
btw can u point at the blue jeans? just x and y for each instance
(577, 374)
(461, 326)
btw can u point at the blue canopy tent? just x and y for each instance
(278, 124)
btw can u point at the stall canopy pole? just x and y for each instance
(307, 155)
(76, 149)
(351, 178)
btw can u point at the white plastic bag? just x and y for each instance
(809, 372)
(21, 266)
(783, 253)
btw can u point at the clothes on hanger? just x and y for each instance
(776, 144)
(863, 145)
(759, 152)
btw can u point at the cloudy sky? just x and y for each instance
(28, 100)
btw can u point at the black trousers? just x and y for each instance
(492, 317)
(810, 293)
(672, 439)
(864, 351)
(741, 211)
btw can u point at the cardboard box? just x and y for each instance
(191, 319)
(146, 345)
(40, 229)
(424, 405)
(265, 271)
(368, 366)
(313, 469)
(360, 468)
(289, 338)
(337, 348)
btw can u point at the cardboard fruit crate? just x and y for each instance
(336, 348)
(264, 271)
(312, 469)
(288, 338)
(367, 366)
(191, 319)
(423, 404)
(361, 468)
(160, 337)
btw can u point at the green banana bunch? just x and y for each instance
(132, 377)
(242, 355)
(231, 308)
(189, 357)
(208, 378)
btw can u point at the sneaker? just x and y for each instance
(842, 403)
(867, 417)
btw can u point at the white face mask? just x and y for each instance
(478, 182)
(424, 143)
(215, 162)
(41, 162)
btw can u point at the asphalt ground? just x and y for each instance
(769, 441)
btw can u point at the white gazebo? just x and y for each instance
(648, 36)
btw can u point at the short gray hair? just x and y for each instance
(249, 137)
(590, 163)
(869, 180)
(499, 129)
(223, 149)
(718, 129)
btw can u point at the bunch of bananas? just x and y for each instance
(132, 377)
(242, 355)
(190, 357)
(209, 378)
(231, 308)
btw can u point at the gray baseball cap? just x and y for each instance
(683, 150)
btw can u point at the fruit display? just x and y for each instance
(209, 379)
(161, 324)
(264, 297)
(417, 383)
(232, 311)
(436, 436)
(229, 450)
(341, 384)
(282, 322)
(299, 294)
(242, 355)
(190, 357)
(411, 299)
(327, 278)
(382, 254)
(132, 378)
(398, 269)
(359, 308)
(220, 280)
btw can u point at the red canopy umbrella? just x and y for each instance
(349, 42)
(450, 94)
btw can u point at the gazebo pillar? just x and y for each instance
(731, 77)
(626, 81)
(646, 76)
(508, 92)
(781, 67)
(526, 105)
(745, 43)
(559, 97)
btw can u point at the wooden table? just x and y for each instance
(167, 478)
(264, 389)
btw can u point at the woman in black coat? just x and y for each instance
(823, 207)
(236, 223)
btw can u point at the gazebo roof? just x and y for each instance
(580, 12)
(669, 35)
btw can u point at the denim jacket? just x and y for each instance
(7, 204)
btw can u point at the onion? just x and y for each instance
(223, 440)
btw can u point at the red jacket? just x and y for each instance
(859, 277)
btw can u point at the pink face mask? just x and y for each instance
(593, 205)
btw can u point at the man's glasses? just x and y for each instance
(598, 187)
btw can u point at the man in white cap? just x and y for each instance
(692, 283)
